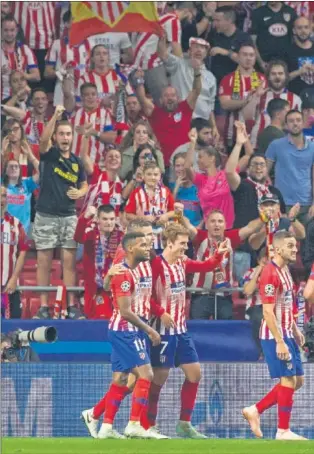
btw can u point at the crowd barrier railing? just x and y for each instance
(205, 290)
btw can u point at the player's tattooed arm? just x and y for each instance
(115, 270)
(124, 303)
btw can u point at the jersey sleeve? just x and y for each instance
(131, 204)
(234, 237)
(23, 244)
(52, 54)
(170, 206)
(173, 30)
(31, 61)
(122, 285)
(195, 266)
(225, 87)
(269, 285)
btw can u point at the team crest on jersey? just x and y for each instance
(269, 290)
(177, 117)
(99, 300)
(75, 167)
(125, 286)
(287, 17)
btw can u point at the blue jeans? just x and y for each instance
(241, 263)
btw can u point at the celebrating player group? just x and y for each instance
(149, 336)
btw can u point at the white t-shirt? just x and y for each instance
(115, 42)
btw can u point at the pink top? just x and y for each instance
(214, 194)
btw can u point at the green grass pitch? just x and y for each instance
(213, 446)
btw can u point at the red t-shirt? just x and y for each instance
(171, 128)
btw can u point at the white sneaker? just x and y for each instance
(135, 430)
(288, 435)
(106, 431)
(185, 430)
(252, 416)
(90, 422)
(153, 432)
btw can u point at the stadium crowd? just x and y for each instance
(210, 126)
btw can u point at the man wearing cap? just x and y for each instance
(182, 76)
(270, 209)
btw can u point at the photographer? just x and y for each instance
(15, 346)
(12, 350)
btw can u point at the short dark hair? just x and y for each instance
(293, 111)
(200, 123)
(67, 16)
(247, 44)
(137, 224)
(9, 18)
(105, 209)
(256, 155)
(63, 123)
(228, 12)
(130, 238)
(276, 105)
(145, 146)
(282, 235)
(37, 89)
(86, 85)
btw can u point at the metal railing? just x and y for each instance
(205, 291)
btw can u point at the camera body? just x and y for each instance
(15, 345)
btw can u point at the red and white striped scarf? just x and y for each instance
(261, 189)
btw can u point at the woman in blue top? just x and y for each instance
(19, 191)
(185, 192)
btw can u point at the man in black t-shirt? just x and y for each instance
(225, 40)
(301, 57)
(272, 29)
(62, 182)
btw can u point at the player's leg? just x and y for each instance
(127, 354)
(162, 360)
(144, 376)
(290, 381)
(253, 412)
(187, 359)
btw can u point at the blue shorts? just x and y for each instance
(173, 351)
(128, 350)
(277, 367)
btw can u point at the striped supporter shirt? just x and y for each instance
(276, 287)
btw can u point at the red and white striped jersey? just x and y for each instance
(141, 204)
(263, 119)
(169, 288)
(13, 241)
(204, 248)
(226, 88)
(33, 129)
(145, 44)
(144, 271)
(107, 84)
(37, 20)
(101, 121)
(22, 58)
(102, 191)
(61, 53)
(254, 299)
(301, 8)
(276, 287)
(124, 285)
